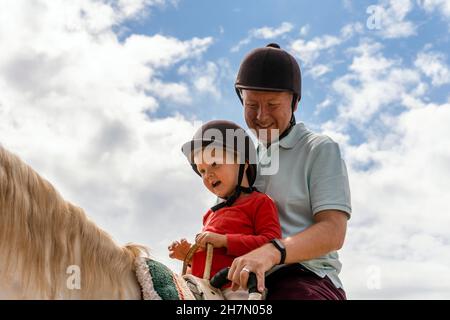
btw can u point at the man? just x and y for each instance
(310, 188)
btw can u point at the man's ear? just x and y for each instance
(295, 103)
(295, 107)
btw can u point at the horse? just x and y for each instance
(50, 249)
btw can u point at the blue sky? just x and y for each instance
(232, 21)
(98, 96)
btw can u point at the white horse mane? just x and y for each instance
(41, 235)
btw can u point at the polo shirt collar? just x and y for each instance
(296, 134)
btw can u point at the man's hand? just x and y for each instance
(179, 249)
(216, 239)
(257, 261)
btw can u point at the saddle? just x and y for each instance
(158, 282)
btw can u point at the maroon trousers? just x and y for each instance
(294, 282)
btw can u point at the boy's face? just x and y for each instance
(218, 176)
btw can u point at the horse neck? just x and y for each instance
(42, 235)
(12, 287)
(94, 267)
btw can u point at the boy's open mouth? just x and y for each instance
(215, 184)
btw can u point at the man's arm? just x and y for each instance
(325, 235)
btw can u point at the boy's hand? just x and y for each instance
(216, 239)
(179, 249)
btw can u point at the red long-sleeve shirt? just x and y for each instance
(251, 222)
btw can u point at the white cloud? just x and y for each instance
(161, 51)
(374, 83)
(205, 82)
(75, 104)
(271, 33)
(442, 6)
(433, 65)
(309, 51)
(204, 78)
(397, 240)
(132, 8)
(400, 222)
(318, 70)
(322, 106)
(176, 92)
(305, 30)
(264, 33)
(351, 29)
(389, 18)
(326, 103)
(241, 43)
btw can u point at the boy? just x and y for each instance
(224, 157)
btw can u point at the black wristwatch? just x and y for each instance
(280, 247)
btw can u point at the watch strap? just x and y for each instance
(280, 247)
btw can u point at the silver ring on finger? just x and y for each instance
(246, 269)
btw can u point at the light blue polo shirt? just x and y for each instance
(310, 177)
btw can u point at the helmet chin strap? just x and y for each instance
(292, 123)
(237, 191)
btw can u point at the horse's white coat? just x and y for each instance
(45, 233)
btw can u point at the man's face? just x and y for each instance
(266, 111)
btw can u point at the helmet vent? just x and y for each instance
(273, 45)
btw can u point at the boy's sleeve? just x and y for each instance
(266, 225)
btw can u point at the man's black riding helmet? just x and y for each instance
(269, 69)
